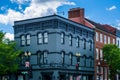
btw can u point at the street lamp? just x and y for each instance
(27, 63)
(78, 60)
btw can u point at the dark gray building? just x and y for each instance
(54, 48)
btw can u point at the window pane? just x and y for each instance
(28, 40)
(101, 39)
(97, 54)
(104, 39)
(45, 37)
(40, 39)
(96, 36)
(22, 40)
(62, 38)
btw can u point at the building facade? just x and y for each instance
(54, 48)
(104, 34)
(118, 43)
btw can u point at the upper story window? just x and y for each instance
(45, 37)
(40, 38)
(108, 40)
(28, 39)
(101, 38)
(101, 54)
(96, 36)
(97, 54)
(77, 41)
(62, 38)
(70, 40)
(22, 40)
(84, 43)
(90, 45)
(113, 41)
(105, 41)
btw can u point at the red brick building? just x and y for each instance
(105, 34)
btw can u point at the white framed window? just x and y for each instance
(28, 39)
(90, 45)
(97, 36)
(105, 39)
(22, 40)
(40, 38)
(113, 41)
(101, 54)
(62, 38)
(77, 42)
(108, 40)
(84, 43)
(70, 40)
(101, 38)
(45, 36)
(45, 54)
(97, 54)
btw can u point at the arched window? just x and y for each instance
(90, 45)
(84, 57)
(90, 59)
(28, 39)
(45, 53)
(70, 56)
(22, 40)
(45, 37)
(84, 43)
(40, 38)
(63, 57)
(39, 57)
(77, 41)
(70, 40)
(62, 38)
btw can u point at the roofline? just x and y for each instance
(56, 18)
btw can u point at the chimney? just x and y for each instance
(76, 14)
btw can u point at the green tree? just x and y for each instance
(8, 56)
(112, 57)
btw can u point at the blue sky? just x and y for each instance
(100, 11)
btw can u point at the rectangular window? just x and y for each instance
(108, 40)
(45, 37)
(28, 40)
(101, 38)
(70, 40)
(113, 41)
(96, 36)
(40, 38)
(101, 54)
(62, 38)
(22, 40)
(97, 54)
(105, 41)
(77, 42)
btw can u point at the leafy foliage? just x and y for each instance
(112, 57)
(8, 55)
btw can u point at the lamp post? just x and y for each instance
(27, 63)
(78, 60)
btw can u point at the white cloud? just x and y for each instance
(9, 36)
(37, 8)
(111, 8)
